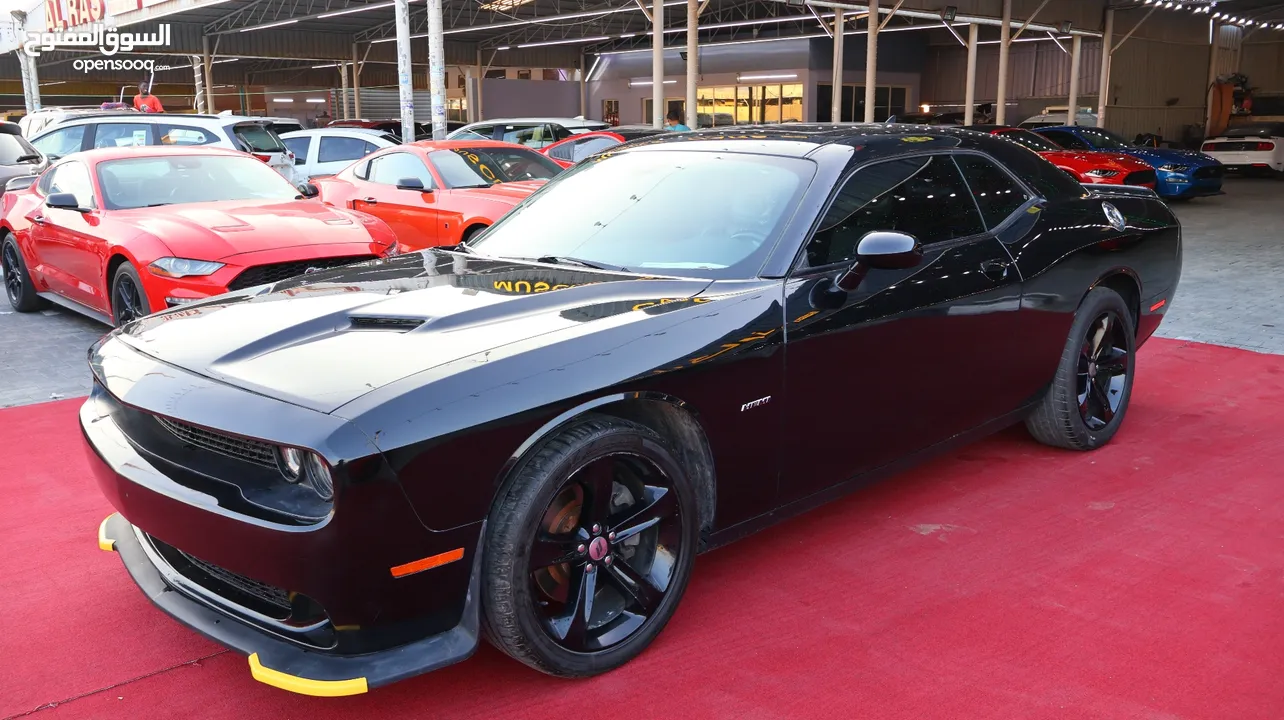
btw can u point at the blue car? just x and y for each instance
(1181, 173)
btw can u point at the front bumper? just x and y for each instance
(278, 662)
(1185, 186)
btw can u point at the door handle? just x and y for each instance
(370, 201)
(996, 270)
(39, 220)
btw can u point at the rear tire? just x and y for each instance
(471, 233)
(1089, 395)
(589, 548)
(17, 281)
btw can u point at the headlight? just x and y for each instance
(172, 267)
(1172, 167)
(301, 465)
(1102, 173)
(393, 249)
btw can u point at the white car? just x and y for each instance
(1255, 147)
(124, 128)
(531, 132)
(326, 151)
(1057, 117)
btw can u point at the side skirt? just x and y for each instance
(76, 307)
(800, 506)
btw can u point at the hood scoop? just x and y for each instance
(390, 324)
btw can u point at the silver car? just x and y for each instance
(17, 157)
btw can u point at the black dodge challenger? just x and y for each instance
(353, 476)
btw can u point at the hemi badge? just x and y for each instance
(756, 403)
(1158, 305)
(428, 563)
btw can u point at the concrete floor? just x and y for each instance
(1231, 293)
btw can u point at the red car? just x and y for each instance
(119, 233)
(577, 147)
(439, 193)
(1100, 167)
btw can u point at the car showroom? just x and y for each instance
(485, 358)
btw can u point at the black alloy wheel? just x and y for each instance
(589, 549)
(1103, 371)
(18, 288)
(128, 303)
(1088, 397)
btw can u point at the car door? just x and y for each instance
(410, 213)
(910, 357)
(304, 160)
(61, 142)
(123, 134)
(67, 241)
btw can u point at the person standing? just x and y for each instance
(145, 101)
(673, 121)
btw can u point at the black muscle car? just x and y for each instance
(354, 475)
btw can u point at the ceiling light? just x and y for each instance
(925, 108)
(949, 13)
(270, 25)
(504, 5)
(283, 100)
(647, 83)
(570, 41)
(359, 8)
(779, 76)
(316, 100)
(318, 67)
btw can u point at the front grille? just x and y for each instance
(251, 451)
(264, 274)
(1141, 177)
(1209, 171)
(270, 594)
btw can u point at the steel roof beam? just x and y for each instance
(926, 15)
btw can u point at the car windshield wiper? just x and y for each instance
(469, 187)
(564, 260)
(158, 204)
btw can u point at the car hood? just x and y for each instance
(1163, 156)
(328, 338)
(1096, 159)
(509, 193)
(215, 231)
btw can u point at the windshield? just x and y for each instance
(13, 147)
(1104, 139)
(258, 138)
(1256, 130)
(695, 214)
(1034, 141)
(480, 167)
(149, 181)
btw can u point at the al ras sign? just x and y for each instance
(63, 14)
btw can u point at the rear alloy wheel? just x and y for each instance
(1089, 396)
(17, 283)
(128, 301)
(589, 549)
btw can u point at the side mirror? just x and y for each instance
(882, 251)
(411, 183)
(308, 190)
(64, 201)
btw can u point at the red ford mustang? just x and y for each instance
(119, 233)
(577, 147)
(1106, 168)
(439, 193)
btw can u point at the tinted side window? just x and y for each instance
(1065, 139)
(61, 143)
(390, 169)
(590, 146)
(300, 146)
(185, 135)
(996, 193)
(564, 152)
(122, 135)
(1045, 178)
(924, 196)
(336, 149)
(72, 178)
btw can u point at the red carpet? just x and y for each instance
(1007, 581)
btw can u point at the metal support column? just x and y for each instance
(475, 103)
(207, 68)
(836, 99)
(1005, 48)
(198, 80)
(1107, 48)
(871, 59)
(343, 90)
(24, 72)
(1076, 50)
(583, 85)
(405, 76)
(969, 92)
(693, 62)
(437, 69)
(356, 84)
(657, 64)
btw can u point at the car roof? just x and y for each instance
(568, 122)
(98, 155)
(459, 144)
(329, 130)
(803, 139)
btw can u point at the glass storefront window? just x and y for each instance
(749, 104)
(791, 104)
(724, 106)
(744, 105)
(888, 101)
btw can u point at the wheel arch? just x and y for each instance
(668, 416)
(472, 227)
(1125, 282)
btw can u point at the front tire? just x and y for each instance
(17, 282)
(1090, 393)
(128, 299)
(589, 548)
